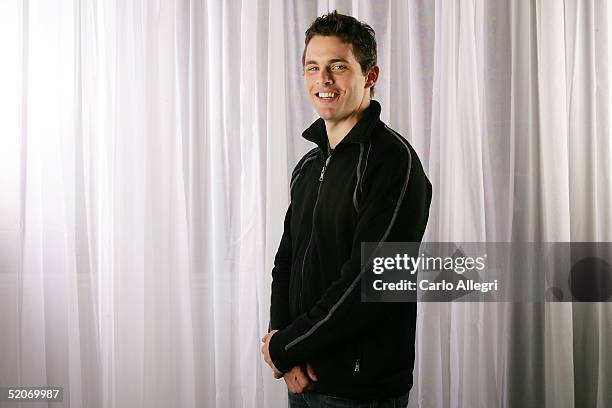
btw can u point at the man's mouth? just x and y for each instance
(327, 96)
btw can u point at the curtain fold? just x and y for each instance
(145, 156)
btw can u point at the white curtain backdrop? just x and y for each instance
(145, 154)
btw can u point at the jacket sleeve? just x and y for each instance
(281, 272)
(339, 315)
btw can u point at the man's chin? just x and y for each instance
(325, 114)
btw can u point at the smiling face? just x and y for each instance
(336, 85)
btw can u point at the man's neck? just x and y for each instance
(336, 131)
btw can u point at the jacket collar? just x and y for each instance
(358, 134)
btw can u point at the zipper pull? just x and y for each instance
(324, 168)
(357, 365)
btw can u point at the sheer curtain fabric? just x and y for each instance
(145, 155)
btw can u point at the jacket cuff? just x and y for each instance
(279, 356)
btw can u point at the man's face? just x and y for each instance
(333, 78)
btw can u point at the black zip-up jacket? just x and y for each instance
(370, 188)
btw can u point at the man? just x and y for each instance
(362, 183)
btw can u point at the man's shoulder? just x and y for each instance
(304, 161)
(393, 153)
(309, 156)
(390, 147)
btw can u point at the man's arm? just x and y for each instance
(339, 315)
(281, 272)
(298, 378)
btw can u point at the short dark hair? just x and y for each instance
(351, 31)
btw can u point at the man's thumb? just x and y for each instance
(311, 372)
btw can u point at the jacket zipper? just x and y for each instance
(301, 302)
(323, 169)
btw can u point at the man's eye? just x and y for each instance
(339, 67)
(312, 69)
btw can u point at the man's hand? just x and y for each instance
(300, 378)
(265, 350)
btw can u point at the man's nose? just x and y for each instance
(324, 77)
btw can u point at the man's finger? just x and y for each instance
(290, 383)
(296, 380)
(311, 372)
(301, 379)
(289, 387)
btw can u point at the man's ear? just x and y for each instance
(372, 76)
